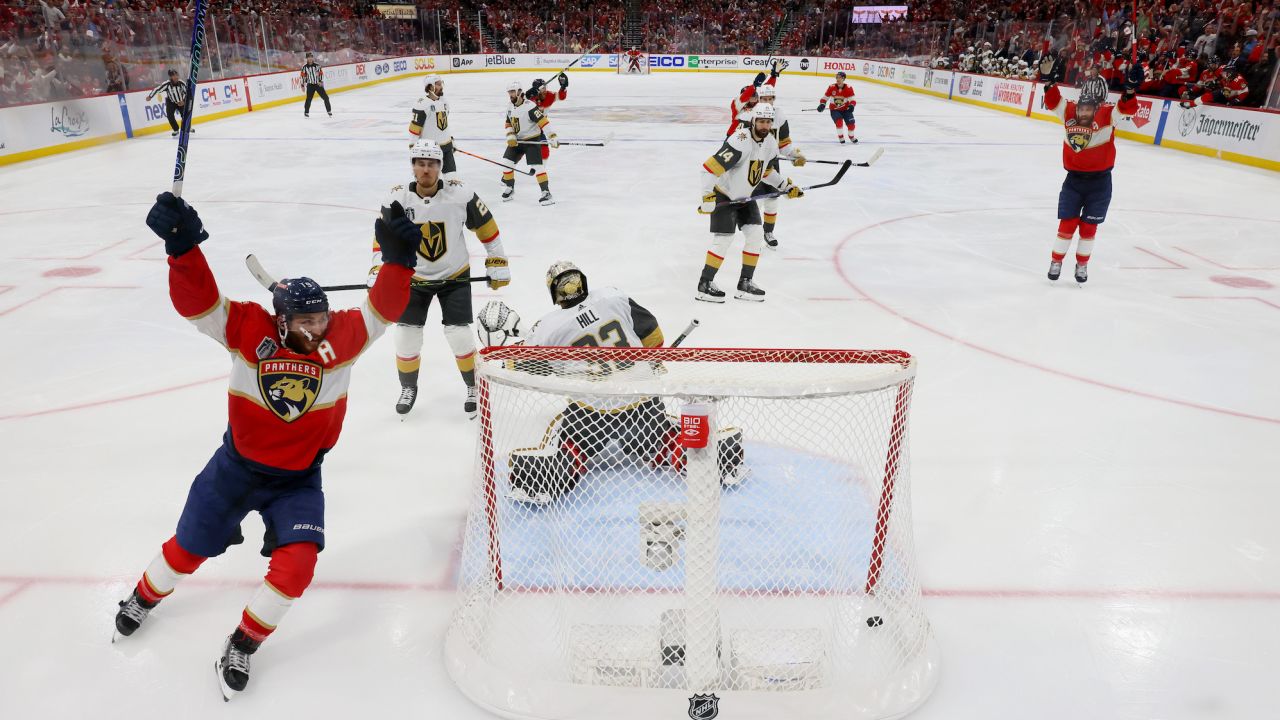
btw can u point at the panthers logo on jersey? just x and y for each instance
(433, 245)
(289, 387)
(1078, 136)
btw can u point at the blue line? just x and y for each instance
(124, 112)
(1164, 116)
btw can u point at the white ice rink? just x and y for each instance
(1095, 469)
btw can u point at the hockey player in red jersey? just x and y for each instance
(542, 97)
(290, 370)
(740, 107)
(1088, 154)
(840, 96)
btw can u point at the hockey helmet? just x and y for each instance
(427, 150)
(567, 283)
(431, 80)
(840, 75)
(767, 91)
(763, 111)
(515, 86)
(296, 296)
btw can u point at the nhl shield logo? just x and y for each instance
(704, 707)
(289, 387)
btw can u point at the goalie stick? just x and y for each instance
(504, 166)
(844, 168)
(268, 281)
(866, 163)
(184, 135)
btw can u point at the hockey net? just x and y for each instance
(612, 568)
(633, 62)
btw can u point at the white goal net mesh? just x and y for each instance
(605, 550)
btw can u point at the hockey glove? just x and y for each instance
(564, 81)
(708, 205)
(1133, 79)
(1046, 68)
(499, 274)
(775, 68)
(177, 223)
(760, 78)
(402, 233)
(553, 141)
(822, 105)
(792, 190)
(511, 140)
(798, 159)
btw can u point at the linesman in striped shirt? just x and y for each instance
(313, 75)
(175, 100)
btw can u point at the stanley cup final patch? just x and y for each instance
(289, 387)
(704, 707)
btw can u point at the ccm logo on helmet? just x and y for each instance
(666, 61)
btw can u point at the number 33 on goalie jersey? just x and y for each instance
(442, 252)
(740, 164)
(607, 318)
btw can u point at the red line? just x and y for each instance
(110, 401)
(134, 255)
(1226, 297)
(51, 291)
(78, 257)
(835, 299)
(1175, 265)
(15, 592)
(1004, 356)
(1218, 264)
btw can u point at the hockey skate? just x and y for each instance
(508, 193)
(748, 290)
(233, 667)
(469, 405)
(771, 240)
(853, 140)
(708, 292)
(133, 611)
(1055, 270)
(1082, 272)
(407, 397)
(546, 198)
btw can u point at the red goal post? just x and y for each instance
(605, 548)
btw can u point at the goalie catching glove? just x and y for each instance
(498, 272)
(497, 324)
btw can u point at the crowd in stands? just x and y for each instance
(53, 49)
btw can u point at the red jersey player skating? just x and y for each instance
(290, 370)
(1088, 154)
(840, 96)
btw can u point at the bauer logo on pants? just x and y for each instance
(289, 387)
(704, 707)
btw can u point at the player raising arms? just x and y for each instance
(430, 121)
(741, 105)
(840, 96)
(1088, 154)
(746, 160)
(544, 98)
(526, 126)
(290, 370)
(786, 149)
(430, 213)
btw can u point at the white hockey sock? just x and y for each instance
(1083, 250)
(1060, 247)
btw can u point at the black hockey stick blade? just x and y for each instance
(817, 162)
(844, 168)
(871, 160)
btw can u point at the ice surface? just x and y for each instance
(1094, 468)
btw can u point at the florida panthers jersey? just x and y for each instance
(285, 410)
(839, 96)
(740, 164)
(1088, 147)
(431, 120)
(527, 121)
(607, 318)
(443, 253)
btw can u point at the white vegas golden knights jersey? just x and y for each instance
(740, 164)
(527, 120)
(443, 253)
(607, 318)
(431, 121)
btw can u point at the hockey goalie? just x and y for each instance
(640, 430)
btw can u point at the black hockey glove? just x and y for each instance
(760, 78)
(822, 106)
(395, 247)
(775, 69)
(407, 235)
(177, 223)
(1133, 79)
(564, 81)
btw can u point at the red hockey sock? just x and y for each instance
(170, 566)
(292, 567)
(1066, 231)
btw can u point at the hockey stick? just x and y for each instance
(583, 143)
(693, 325)
(844, 168)
(267, 281)
(184, 136)
(575, 62)
(867, 163)
(530, 173)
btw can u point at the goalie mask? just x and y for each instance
(566, 283)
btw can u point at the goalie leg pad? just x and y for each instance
(542, 475)
(731, 455)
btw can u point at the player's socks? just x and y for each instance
(543, 184)
(1055, 269)
(169, 567)
(233, 667)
